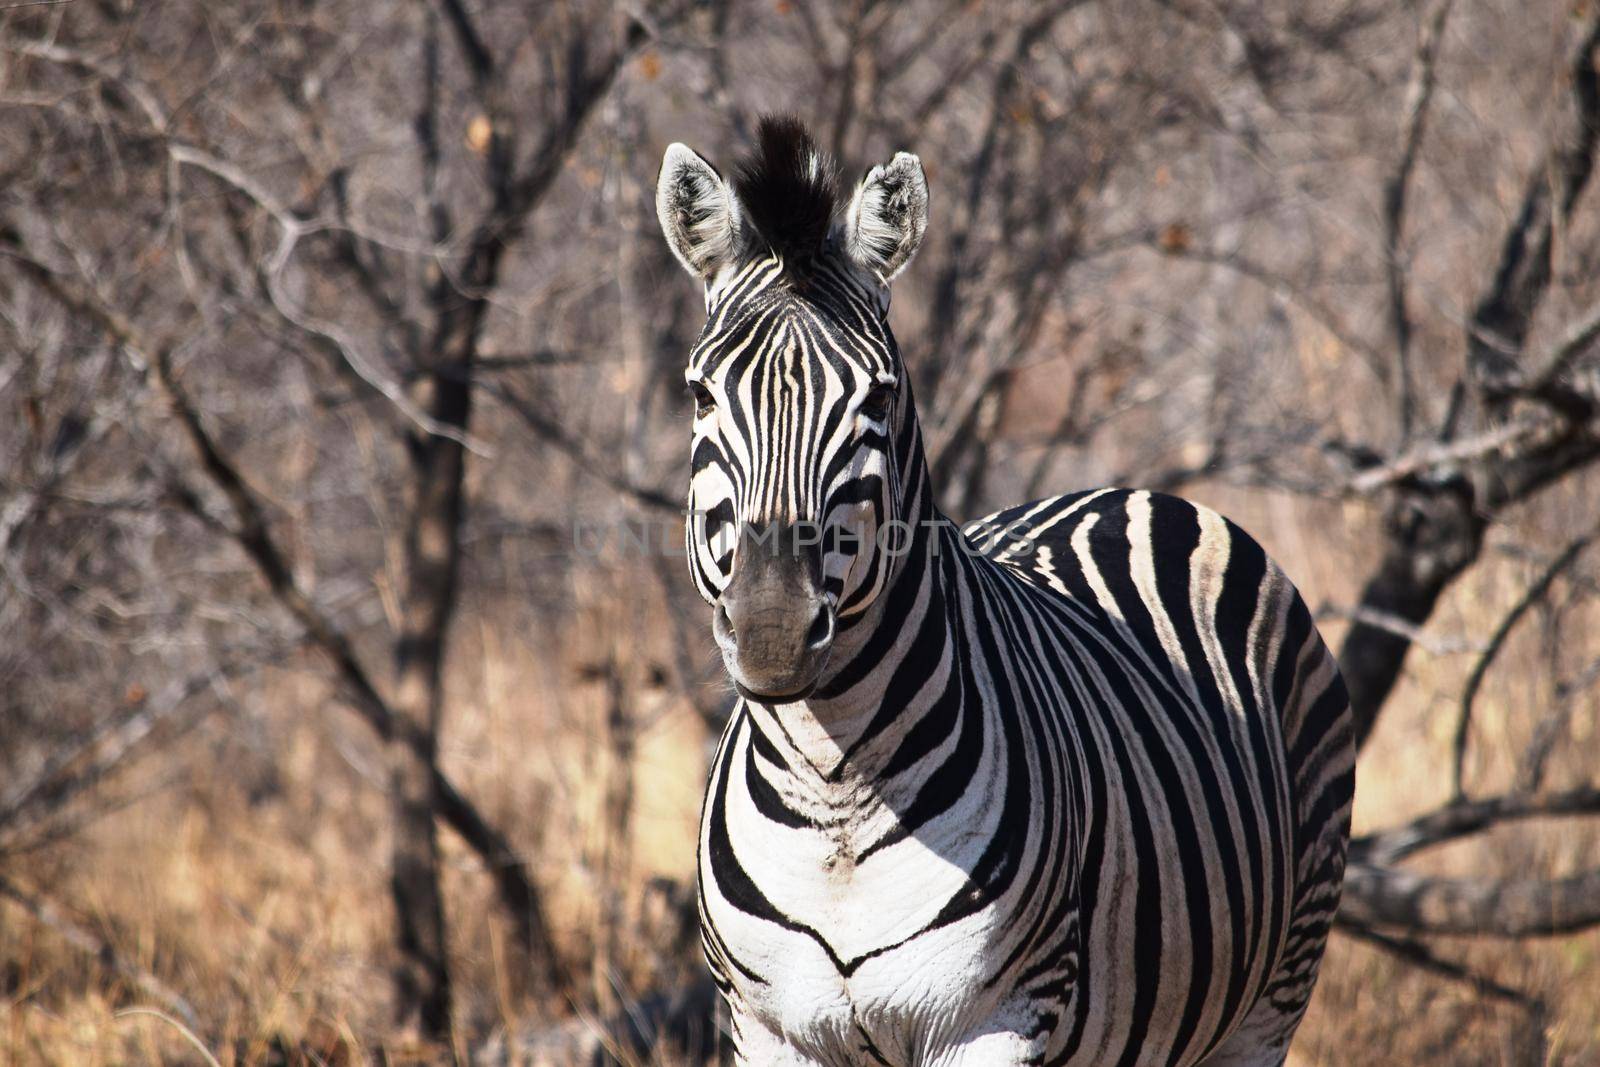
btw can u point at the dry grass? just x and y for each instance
(249, 876)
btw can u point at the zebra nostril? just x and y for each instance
(820, 635)
(722, 624)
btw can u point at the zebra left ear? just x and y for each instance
(888, 216)
(698, 211)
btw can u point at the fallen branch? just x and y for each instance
(1383, 897)
(84, 940)
(682, 1018)
(1421, 956)
(1455, 821)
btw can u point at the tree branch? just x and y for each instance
(551, 431)
(1434, 646)
(1469, 695)
(76, 767)
(1419, 94)
(1287, 288)
(1505, 312)
(1531, 768)
(1577, 341)
(480, 61)
(1439, 457)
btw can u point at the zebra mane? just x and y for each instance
(789, 191)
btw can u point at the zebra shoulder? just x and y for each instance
(1130, 543)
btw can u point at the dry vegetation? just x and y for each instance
(322, 324)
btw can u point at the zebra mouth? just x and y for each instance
(776, 698)
(773, 622)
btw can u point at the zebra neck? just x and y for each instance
(898, 686)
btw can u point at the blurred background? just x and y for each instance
(325, 328)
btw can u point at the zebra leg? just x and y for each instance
(1262, 1039)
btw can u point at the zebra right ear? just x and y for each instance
(887, 218)
(699, 213)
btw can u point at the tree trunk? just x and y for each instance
(1434, 530)
(1431, 534)
(432, 560)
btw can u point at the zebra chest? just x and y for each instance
(854, 953)
(838, 937)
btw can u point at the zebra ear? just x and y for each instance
(888, 216)
(698, 211)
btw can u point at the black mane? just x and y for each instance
(789, 191)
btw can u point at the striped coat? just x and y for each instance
(1077, 793)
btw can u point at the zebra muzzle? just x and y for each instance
(773, 623)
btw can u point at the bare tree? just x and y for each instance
(320, 327)
(429, 295)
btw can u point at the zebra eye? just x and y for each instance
(875, 405)
(704, 402)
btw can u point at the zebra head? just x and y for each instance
(804, 429)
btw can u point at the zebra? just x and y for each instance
(1078, 792)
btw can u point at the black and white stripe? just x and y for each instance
(1081, 797)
